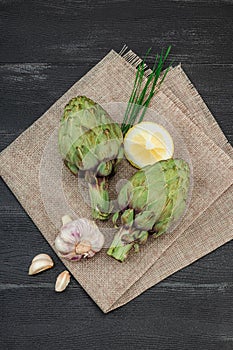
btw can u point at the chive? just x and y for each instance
(140, 97)
(135, 91)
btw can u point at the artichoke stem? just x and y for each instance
(99, 199)
(124, 240)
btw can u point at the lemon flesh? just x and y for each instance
(147, 143)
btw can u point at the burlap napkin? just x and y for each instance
(207, 223)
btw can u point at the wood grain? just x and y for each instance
(77, 31)
(45, 47)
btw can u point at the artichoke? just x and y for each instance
(91, 144)
(149, 203)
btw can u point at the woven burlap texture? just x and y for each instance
(108, 282)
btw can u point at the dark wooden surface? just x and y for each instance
(45, 47)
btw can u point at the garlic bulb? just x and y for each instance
(78, 239)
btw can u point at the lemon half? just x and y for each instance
(147, 143)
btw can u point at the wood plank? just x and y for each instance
(165, 317)
(58, 31)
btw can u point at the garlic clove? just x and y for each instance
(62, 246)
(66, 219)
(40, 262)
(42, 257)
(83, 247)
(63, 279)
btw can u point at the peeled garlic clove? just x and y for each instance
(40, 262)
(42, 257)
(63, 279)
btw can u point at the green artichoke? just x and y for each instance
(91, 144)
(153, 199)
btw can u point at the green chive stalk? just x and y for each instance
(141, 96)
